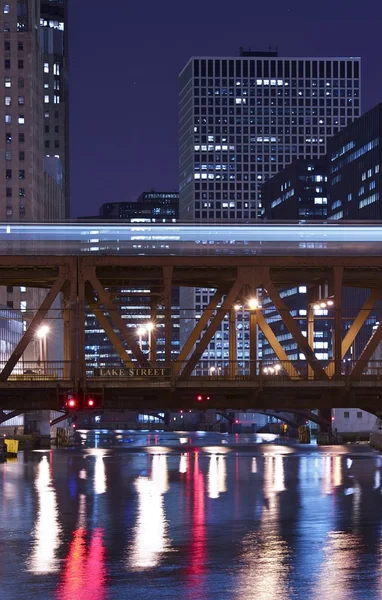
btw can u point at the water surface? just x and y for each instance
(191, 516)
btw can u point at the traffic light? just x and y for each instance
(71, 403)
(202, 398)
(90, 402)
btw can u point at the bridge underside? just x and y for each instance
(96, 284)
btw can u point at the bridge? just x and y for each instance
(89, 266)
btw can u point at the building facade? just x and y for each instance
(355, 159)
(150, 207)
(54, 50)
(298, 192)
(21, 155)
(241, 121)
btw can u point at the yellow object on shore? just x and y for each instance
(12, 446)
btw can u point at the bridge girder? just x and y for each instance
(94, 283)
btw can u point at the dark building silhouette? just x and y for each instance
(298, 192)
(355, 158)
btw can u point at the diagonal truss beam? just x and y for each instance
(113, 337)
(6, 417)
(214, 325)
(199, 328)
(293, 327)
(33, 327)
(356, 326)
(277, 347)
(367, 352)
(115, 317)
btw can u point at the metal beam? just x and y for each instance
(115, 317)
(367, 352)
(199, 328)
(293, 327)
(167, 282)
(356, 327)
(33, 327)
(337, 286)
(277, 347)
(214, 325)
(108, 329)
(6, 417)
(232, 342)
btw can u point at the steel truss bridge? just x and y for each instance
(89, 266)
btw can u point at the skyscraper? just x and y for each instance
(54, 50)
(21, 156)
(242, 120)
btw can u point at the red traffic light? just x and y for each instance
(202, 398)
(71, 403)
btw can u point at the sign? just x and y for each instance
(132, 372)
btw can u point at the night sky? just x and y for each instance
(125, 58)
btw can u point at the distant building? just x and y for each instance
(150, 207)
(298, 192)
(355, 159)
(241, 121)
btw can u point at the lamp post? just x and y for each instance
(43, 349)
(148, 329)
(315, 308)
(254, 306)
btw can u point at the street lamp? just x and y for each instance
(143, 330)
(253, 304)
(42, 334)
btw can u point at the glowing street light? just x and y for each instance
(272, 370)
(237, 307)
(43, 350)
(43, 331)
(145, 329)
(253, 304)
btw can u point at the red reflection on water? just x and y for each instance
(198, 544)
(84, 570)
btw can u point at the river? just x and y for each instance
(197, 516)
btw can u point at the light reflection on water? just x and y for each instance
(46, 532)
(198, 521)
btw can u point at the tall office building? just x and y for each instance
(242, 120)
(21, 151)
(54, 50)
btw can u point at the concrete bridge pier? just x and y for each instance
(38, 422)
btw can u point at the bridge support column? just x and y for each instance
(253, 342)
(232, 343)
(167, 277)
(310, 327)
(81, 332)
(153, 333)
(337, 338)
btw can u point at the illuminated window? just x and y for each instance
(7, 9)
(7, 101)
(7, 82)
(21, 120)
(46, 67)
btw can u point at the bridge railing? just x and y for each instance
(40, 371)
(260, 371)
(212, 370)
